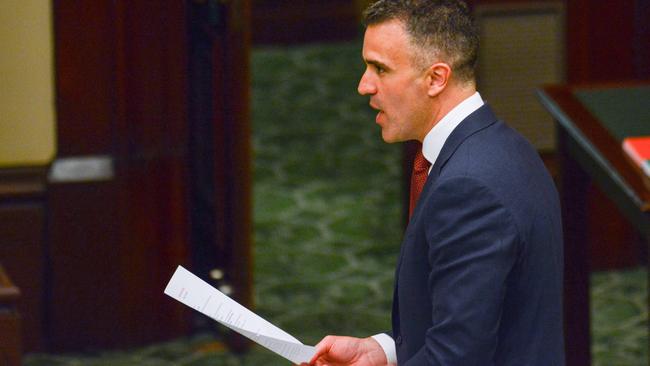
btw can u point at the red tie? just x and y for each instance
(418, 178)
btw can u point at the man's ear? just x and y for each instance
(438, 76)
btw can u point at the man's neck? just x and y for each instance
(447, 100)
(452, 96)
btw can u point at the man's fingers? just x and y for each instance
(322, 348)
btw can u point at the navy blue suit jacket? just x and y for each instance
(479, 278)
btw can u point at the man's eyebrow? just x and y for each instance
(377, 64)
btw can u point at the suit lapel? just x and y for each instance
(478, 120)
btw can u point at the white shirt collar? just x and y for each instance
(435, 139)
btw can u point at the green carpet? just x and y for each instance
(327, 221)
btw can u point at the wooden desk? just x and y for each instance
(10, 337)
(591, 124)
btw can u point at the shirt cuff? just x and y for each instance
(388, 345)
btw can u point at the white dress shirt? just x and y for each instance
(431, 146)
(435, 139)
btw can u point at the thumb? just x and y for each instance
(322, 348)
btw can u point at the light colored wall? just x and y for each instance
(27, 115)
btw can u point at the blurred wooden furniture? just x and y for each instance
(10, 332)
(22, 246)
(592, 121)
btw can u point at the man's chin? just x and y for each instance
(388, 137)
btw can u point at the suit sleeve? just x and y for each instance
(472, 246)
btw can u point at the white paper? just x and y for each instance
(192, 291)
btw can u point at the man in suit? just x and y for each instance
(479, 277)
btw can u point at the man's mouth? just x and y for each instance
(378, 109)
(379, 113)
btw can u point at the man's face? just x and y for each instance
(397, 88)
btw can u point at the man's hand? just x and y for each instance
(348, 351)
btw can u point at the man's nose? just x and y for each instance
(366, 86)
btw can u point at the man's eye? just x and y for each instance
(380, 70)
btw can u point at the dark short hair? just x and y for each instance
(437, 28)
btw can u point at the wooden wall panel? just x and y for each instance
(600, 40)
(152, 148)
(114, 243)
(642, 39)
(85, 278)
(22, 247)
(85, 47)
(22, 255)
